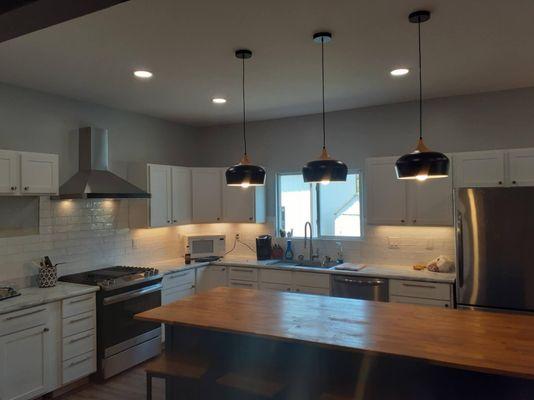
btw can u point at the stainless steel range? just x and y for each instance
(122, 341)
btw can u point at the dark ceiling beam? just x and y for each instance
(19, 17)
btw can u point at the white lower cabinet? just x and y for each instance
(276, 287)
(28, 352)
(294, 281)
(211, 277)
(419, 292)
(178, 285)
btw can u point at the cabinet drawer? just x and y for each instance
(244, 274)
(78, 305)
(178, 279)
(23, 319)
(78, 323)
(79, 344)
(276, 276)
(415, 300)
(168, 296)
(276, 287)
(427, 290)
(313, 290)
(243, 284)
(79, 367)
(311, 279)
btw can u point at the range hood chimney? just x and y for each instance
(94, 180)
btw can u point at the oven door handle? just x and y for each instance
(132, 295)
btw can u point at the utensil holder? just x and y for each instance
(47, 277)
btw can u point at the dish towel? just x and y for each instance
(350, 267)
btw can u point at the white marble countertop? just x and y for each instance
(34, 296)
(378, 271)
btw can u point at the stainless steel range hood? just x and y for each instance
(94, 180)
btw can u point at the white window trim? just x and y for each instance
(316, 223)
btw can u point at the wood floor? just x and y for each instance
(130, 385)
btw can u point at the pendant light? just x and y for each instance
(324, 169)
(245, 174)
(422, 163)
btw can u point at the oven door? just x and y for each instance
(117, 321)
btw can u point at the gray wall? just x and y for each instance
(40, 122)
(476, 122)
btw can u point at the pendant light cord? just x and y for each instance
(244, 109)
(420, 82)
(322, 76)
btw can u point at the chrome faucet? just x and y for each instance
(306, 238)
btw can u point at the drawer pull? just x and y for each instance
(242, 284)
(72, 364)
(242, 270)
(80, 338)
(24, 315)
(79, 300)
(419, 285)
(73, 321)
(178, 275)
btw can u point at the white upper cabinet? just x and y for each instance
(39, 173)
(386, 201)
(431, 202)
(9, 172)
(479, 169)
(243, 204)
(161, 192)
(207, 194)
(28, 173)
(521, 167)
(181, 195)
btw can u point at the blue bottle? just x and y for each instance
(289, 251)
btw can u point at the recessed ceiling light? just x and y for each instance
(143, 74)
(399, 72)
(218, 100)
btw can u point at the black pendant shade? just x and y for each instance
(324, 169)
(422, 163)
(245, 174)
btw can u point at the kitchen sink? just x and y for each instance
(306, 263)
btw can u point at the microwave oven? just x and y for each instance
(201, 246)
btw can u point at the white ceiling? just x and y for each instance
(469, 46)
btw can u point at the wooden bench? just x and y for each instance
(187, 369)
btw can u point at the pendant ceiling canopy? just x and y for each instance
(245, 173)
(324, 169)
(422, 163)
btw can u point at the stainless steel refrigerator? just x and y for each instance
(495, 248)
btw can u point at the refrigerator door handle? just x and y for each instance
(460, 248)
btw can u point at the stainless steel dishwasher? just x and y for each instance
(353, 287)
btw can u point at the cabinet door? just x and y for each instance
(386, 195)
(39, 173)
(211, 277)
(207, 194)
(238, 203)
(479, 169)
(168, 296)
(521, 167)
(312, 290)
(275, 287)
(431, 202)
(9, 172)
(181, 195)
(23, 364)
(160, 188)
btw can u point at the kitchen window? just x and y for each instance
(333, 209)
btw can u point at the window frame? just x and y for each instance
(315, 210)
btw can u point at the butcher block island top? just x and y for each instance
(494, 343)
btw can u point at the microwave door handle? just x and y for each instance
(460, 248)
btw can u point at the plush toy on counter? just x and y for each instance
(440, 264)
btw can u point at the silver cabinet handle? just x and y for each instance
(24, 315)
(80, 338)
(419, 285)
(178, 275)
(26, 188)
(73, 321)
(72, 364)
(248, 270)
(242, 284)
(46, 330)
(131, 295)
(13, 188)
(79, 300)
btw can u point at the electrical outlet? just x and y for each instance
(134, 244)
(237, 236)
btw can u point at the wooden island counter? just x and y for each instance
(432, 346)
